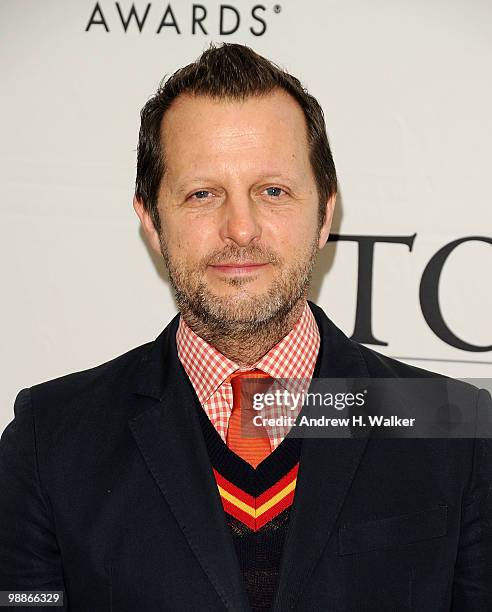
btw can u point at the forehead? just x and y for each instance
(268, 129)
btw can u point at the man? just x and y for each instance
(131, 487)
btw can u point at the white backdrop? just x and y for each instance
(407, 96)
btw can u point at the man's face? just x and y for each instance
(238, 206)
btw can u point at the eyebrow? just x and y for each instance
(184, 183)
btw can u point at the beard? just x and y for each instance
(245, 311)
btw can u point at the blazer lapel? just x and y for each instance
(327, 468)
(169, 437)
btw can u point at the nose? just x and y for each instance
(240, 223)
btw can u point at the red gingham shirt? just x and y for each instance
(294, 357)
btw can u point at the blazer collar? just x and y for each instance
(168, 434)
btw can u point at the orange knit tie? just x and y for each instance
(249, 441)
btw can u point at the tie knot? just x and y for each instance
(245, 374)
(244, 386)
(238, 378)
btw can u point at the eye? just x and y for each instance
(274, 192)
(200, 195)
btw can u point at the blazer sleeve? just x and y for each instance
(472, 586)
(29, 555)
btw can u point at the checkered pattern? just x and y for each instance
(294, 357)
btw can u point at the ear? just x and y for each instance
(325, 228)
(147, 224)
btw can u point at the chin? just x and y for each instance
(240, 292)
(241, 309)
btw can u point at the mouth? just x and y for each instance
(244, 267)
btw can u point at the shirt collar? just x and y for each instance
(293, 357)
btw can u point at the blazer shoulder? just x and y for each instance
(377, 365)
(384, 366)
(68, 386)
(381, 366)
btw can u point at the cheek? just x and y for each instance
(190, 240)
(292, 237)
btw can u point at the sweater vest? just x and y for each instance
(257, 505)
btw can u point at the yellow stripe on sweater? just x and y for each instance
(255, 513)
(276, 498)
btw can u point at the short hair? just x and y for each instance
(232, 72)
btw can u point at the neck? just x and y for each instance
(245, 345)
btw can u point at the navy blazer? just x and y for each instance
(107, 493)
